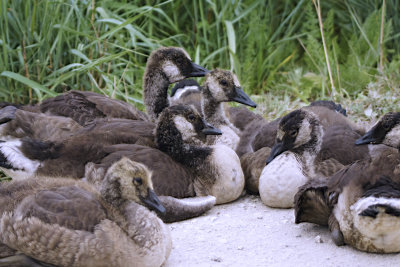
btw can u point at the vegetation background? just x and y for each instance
(274, 46)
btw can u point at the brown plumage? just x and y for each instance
(165, 65)
(220, 86)
(240, 117)
(21, 123)
(252, 166)
(352, 195)
(38, 213)
(361, 202)
(44, 127)
(311, 142)
(182, 166)
(84, 107)
(324, 153)
(261, 133)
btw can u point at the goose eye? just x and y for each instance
(191, 117)
(293, 133)
(223, 82)
(137, 181)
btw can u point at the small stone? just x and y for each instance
(216, 259)
(298, 236)
(318, 239)
(240, 248)
(259, 217)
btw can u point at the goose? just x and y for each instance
(220, 86)
(18, 123)
(259, 135)
(360, 203)
(258, 132)
(67, 222)
(182, 165)
(386, 131)
(308, 144)
(188, 92)
(164, 66)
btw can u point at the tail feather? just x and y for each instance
(186, 208)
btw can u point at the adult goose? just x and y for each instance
(67, 222)
(164, 66)
(182, 166)
(309, 143)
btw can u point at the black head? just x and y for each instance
(184, 123)
(175, 63)
(223, 86)
(385, 131)
(296, 131)
(185, 84)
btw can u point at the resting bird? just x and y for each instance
(68, 222)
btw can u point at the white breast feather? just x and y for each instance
(229, 183)
(280, 180)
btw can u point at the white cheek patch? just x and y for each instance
(11, 151)
(304, 134)
(172, 72)
(185, 128)
(392, 138)
(280, 134)
(179, 92)
(215, 89)
(236, 81)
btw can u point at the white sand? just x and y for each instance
(247, 233)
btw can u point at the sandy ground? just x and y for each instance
(248, 233)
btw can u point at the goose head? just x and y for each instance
(182, 124)
(224, 86)
(127, 180)
(174, 63)
(298, 131)
(385, 131)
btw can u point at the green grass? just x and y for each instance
(275, 47)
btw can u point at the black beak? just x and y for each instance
(242, 98)
(277, 149)
(210, 130)
(152, 202)
(198, 71)
(7, 113)
(367, 138)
